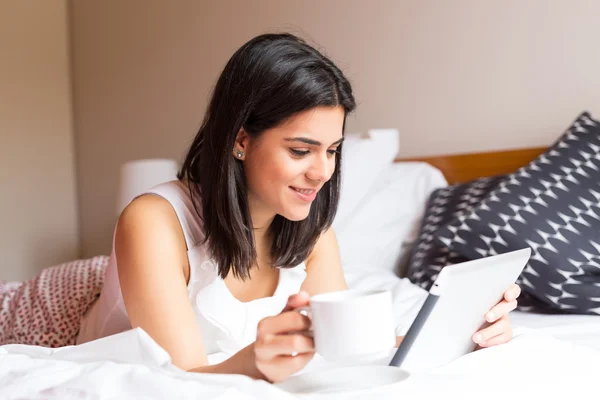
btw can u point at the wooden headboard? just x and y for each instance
(465, 167)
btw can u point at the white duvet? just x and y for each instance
(540, 362)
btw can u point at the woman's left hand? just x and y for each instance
(499, 331)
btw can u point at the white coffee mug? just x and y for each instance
(352, 325)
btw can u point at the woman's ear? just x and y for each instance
(240, 145)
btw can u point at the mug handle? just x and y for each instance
(306, 312)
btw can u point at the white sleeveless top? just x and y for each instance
(227, 324)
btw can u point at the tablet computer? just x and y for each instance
(454, 310)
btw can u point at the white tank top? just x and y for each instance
(227, 324)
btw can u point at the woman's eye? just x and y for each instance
(299, 153)
(332, 151)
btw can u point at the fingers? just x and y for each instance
(499, 310)
(289, 321)
(512, 293)
(271, 346)
(302, 299)
(280, 349)
(500, 332)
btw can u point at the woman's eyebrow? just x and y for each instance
(310, 141)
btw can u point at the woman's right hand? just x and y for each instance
(282, 345)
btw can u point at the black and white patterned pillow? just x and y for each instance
(552, 205)
(444, 205)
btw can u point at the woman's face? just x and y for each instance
(286, 166)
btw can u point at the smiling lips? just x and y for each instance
(305, 194)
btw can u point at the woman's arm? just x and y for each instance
(152, 260)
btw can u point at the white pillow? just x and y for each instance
(364, 157)
(384, 226)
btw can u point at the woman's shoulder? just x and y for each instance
(326, 244)
(163, 221)
(323, 266)
(179, 201)
(148, 213)
(174, 191)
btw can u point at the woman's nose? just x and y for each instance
(321, 169)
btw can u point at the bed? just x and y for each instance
(551, 356)
(459, 168)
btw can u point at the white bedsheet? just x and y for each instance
(583, 330)
(130, 365)
(550, 357)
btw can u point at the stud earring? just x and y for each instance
(239, 154)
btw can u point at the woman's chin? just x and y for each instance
(296, 215)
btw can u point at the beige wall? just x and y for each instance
(452, 76)
(38, 215)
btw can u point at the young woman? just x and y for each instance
(219, 259)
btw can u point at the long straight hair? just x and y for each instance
(267, 81)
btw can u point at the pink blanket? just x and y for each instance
(46, 310)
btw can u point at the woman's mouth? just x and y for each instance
(307, 195)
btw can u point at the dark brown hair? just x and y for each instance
(268, 80)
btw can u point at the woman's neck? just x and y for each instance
(263, 242)
(261, 222)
